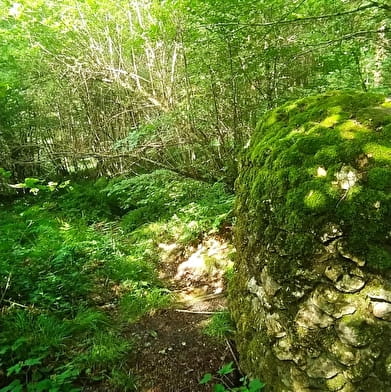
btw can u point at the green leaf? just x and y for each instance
(18, 342)
(255, 385)
(207, 377)
(15, 369)
(4, 349)
(33, 361)
(219, 388)
(43, 385)
(15, 386)
(226, 369)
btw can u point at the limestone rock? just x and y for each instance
(353, 332)
(345, 354)
(257, 290)
(341, 246)
(382, 310)
(350, 283)
(381, 294)
(332, 302)
(282, 349)
(273, 325)
(333, 272)
(330, 232)
(336, 383)
(361, 370)
(311, 317)
(322, 367)
(270, 286)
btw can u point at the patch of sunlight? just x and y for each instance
(168, 247)
(271, 120)
(387, 103)
(349, 128)
(65, 226)
(16, 10)
(330, 121)
(296, 131)
(378, 152)
(348, 135)
(321, 172)
(347, 177)
(207, 264)
(315, 199)
(335, 110)
(291, 107)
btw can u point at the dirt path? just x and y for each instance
(172, 351)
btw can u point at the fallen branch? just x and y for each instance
(194, 311)
(233, 355)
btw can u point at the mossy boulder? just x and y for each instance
(313, 241)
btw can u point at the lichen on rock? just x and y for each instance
(312, 277)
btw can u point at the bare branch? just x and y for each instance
(371, 5)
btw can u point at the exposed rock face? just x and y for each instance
(311, 294)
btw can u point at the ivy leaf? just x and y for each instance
(226, 369)
(207, 377)
(255, 385)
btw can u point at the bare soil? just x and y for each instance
(173, 353)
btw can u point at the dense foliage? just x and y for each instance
(113, 86)
(79, 263)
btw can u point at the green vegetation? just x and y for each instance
(114, 86)
(79, 263)
(330, 157)
(224, 383)
(220, 326)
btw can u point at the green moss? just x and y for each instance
(379, 178)
(331, 132)
(317, 161)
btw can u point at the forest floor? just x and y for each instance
(116, 286)
(173, 351)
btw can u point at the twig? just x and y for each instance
(233, 356)
(15, 303)
(7, 285)
(194, 311)
(301, 20)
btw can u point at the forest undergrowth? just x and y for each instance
(79, 263)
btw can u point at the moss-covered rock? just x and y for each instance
(313, 242)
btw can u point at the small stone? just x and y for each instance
(330, 232)
(346, 355)
(282, 349)
(332, 302)
(268, 283)
(384, 295)
(311, 317)
(350, 284)
(273, 325)
(353, 332)
(333, 272)
(382, 310)
(322, 367)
